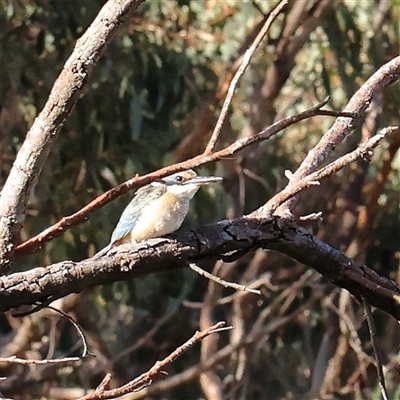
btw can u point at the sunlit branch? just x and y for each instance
(244, 64)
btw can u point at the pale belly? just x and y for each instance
(159, 219)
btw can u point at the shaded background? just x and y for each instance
(153, 100)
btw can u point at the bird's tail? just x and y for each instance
(102, 252)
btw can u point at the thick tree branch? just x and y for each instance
(65, 93)
(43, 285)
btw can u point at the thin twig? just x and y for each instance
(23, 361)
(105, 382)
(312, 217)
(372, 335)
(73, 322)
(244, 64)
(221, 281)
(77, 327)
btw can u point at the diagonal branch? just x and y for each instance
(244, 64)
(313, 179)
(358, 104)
(155, 371)
(388, 74)
(39, 140)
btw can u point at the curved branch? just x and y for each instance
(65, 93)
(44, 285)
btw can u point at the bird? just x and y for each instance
(157, 209)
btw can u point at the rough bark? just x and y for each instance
(224, 240)
(66, 91)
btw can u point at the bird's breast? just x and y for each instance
(161, 217)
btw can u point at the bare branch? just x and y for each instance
(221, 281)
(358, 104)
(251, 338)
(16, 360)
(155, 371)
(245, 62)
(363, 151)
(77, 327)
(372, 335)
(65, 93)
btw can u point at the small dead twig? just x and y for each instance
(155, 371)
(85, 351)
(221, 281)
(372, 334)
(104, 383)
(311, 217)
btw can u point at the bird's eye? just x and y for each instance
(179, 178)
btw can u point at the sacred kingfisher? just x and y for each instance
(157, 209)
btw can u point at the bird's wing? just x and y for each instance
(143, 197)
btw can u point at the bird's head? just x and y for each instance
(185, 183)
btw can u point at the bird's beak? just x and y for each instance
(203, 180)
